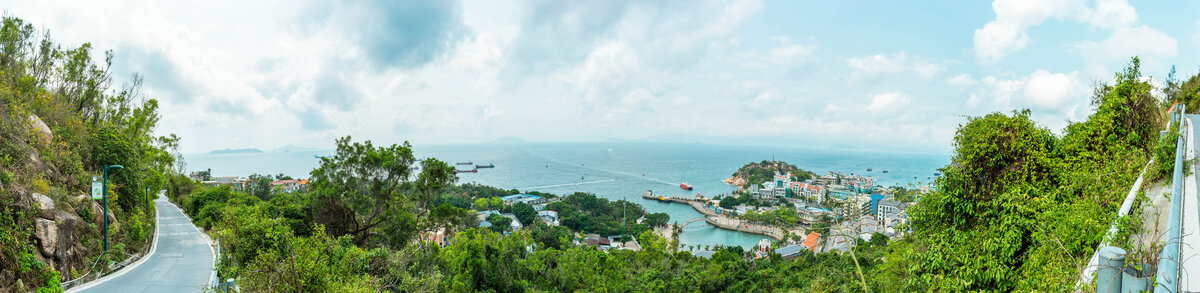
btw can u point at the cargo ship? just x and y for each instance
(464, 163)
(489, 165)
(685, 186)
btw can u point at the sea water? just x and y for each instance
(618, 170)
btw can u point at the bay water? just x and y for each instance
(618, 170)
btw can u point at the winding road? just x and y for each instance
(181, 259)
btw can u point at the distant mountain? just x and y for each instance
(236, 151)
(292, 148)
(508, 139)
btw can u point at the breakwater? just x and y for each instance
(700, 204)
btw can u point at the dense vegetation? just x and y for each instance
(757, 173)
(1021, 209)
(91, 124)
(587, 213)
(261, 245)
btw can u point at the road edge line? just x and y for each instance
(130, 267)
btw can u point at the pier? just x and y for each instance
(700, 204)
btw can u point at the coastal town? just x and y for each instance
(829, 213)
(833, 212)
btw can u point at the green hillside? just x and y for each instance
(61, 121)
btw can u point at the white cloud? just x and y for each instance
(1196, 36)
(1111, 14)
(877, 64)
(787, 52)
(1131, 41)
(887, 103)
(1009, 31)
(1042, 91)
(1052, 91)
(963, 80)
(884, 64)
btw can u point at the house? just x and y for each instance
(287, 186)
(779, 192)
(783, 179)
(800, 189)
(596, 241)
(789, 252)
(234, 181)
(525, 198)
(811, 241)
(548, 216)
(439, 237)
(742, 209)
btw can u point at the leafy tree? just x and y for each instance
(368, 192)
(524, 213)
(259, 186)
(499, 223)
(657, 219)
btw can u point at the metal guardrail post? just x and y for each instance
(1168, 259)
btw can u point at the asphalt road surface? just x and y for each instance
(182, 261)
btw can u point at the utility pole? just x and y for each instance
(624, 200)
(105, 192)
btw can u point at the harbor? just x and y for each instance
(703, 205)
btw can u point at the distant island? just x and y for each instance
(759, 172)
(236, 151)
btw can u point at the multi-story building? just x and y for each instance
(885, 207)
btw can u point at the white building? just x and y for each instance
(550, 217)
(885, 207)
(800, 189)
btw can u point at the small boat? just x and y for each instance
(489, 165)
(414, 168)
(885, 171)
(465, 163)
(685, 186)
(467, 171)
(868, 169)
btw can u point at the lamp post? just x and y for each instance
(105, 192)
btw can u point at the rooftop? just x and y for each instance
(788, 250)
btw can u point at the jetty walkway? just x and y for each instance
(700, 204)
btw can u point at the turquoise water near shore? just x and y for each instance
(617, 170)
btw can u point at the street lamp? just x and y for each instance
(105, 192)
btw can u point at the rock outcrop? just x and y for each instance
(56, 231)
(41, 129)
(44, 204)
(47, 235)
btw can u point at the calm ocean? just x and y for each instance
(616, 170)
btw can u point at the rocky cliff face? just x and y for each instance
(58, 229)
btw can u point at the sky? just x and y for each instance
(877, 75)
